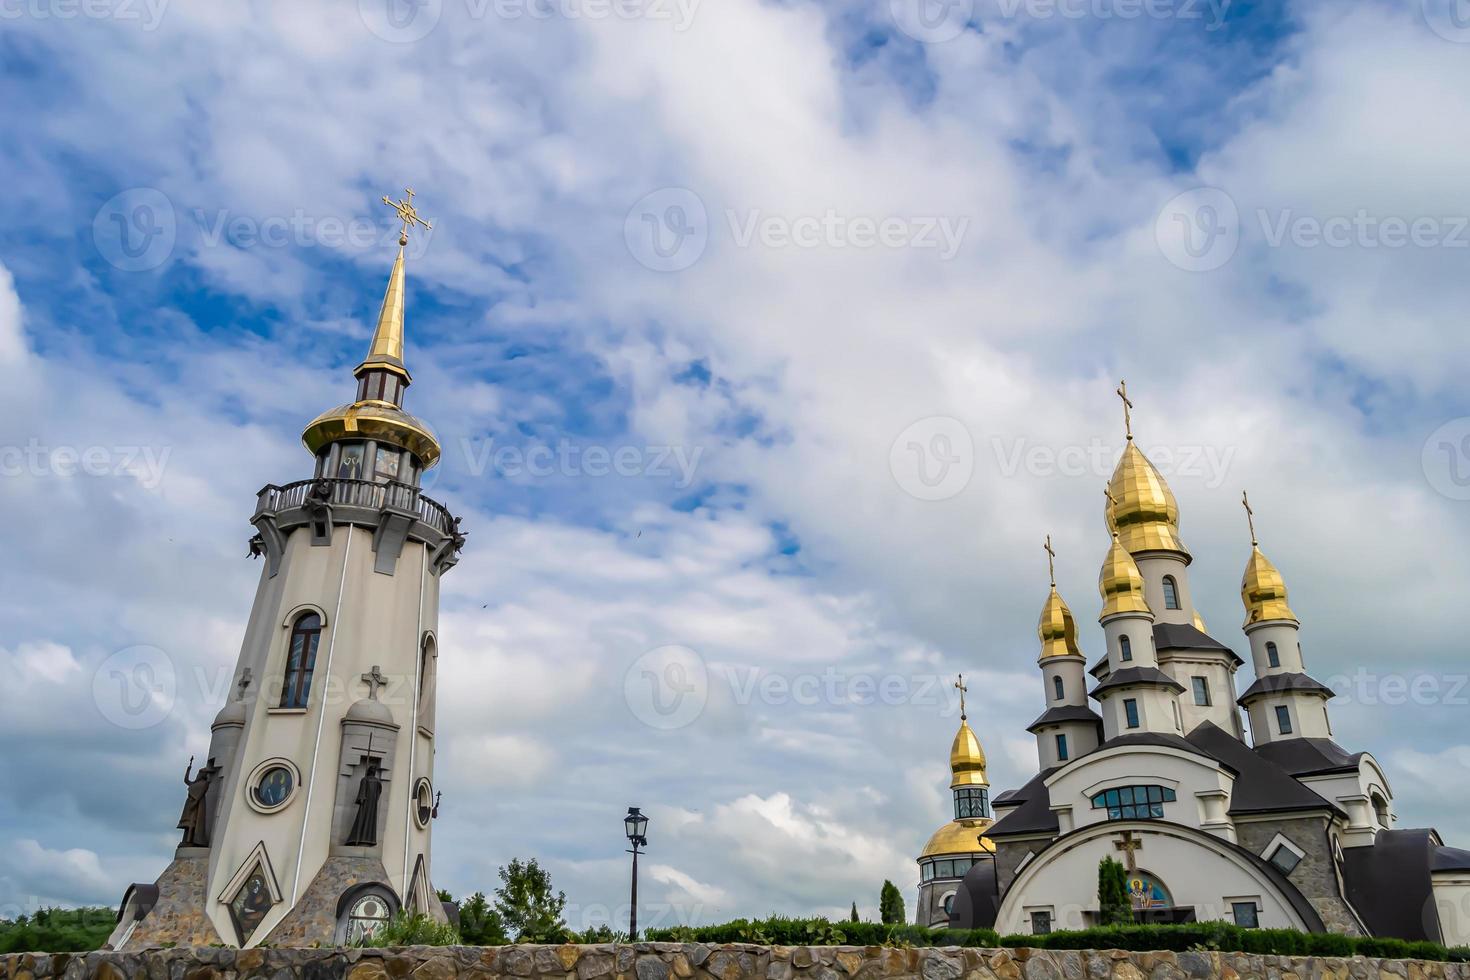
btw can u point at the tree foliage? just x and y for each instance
(854, 916)
(57, 931)
(480, 924)
(528, 908)
(413, 929)
(1115, 907)
(890, 905)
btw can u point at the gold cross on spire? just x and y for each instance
(1122, 393)
(1250, 516)
(1051, 564)
(408, 214)
(960, 686)
(1112, 502)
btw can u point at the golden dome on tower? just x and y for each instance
(1056, 629)
(960, 837)
(1120, 582)
(967, 758)
(1263, 591)
(1142, 510)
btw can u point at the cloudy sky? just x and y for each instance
(767, 341)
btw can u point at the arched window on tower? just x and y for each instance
(1171, 593)
(428, 681)
(1125, 648)
(1059, 688)
(301, 660)
(1273, 655)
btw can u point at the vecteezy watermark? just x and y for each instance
(300, 229)
(667, 230)
(1371, 689)
(932, 21)
(135, 688)
(1210, 12)
(667, 688)
(1198, 230)
(136, 229)
(1450, 19)
(1098, 459)
(142, 463)
(407, 21)
(568, 459)
(933, 459)
(148, 14)
(1446, 459)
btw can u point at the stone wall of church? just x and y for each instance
(1008, 858)
(697, 961)
(1316, 877)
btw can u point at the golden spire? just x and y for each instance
(385, 353)
(1056, 628)
(1262, 589)
(1119, 581)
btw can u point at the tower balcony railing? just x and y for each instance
(366, 494)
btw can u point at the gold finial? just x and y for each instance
(960, 686)
(1122, 393)
(1051, 565)
(408, 214)
(1250, 516)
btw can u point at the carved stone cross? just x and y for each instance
(1128, 845)
(246, 676)
(374, 679)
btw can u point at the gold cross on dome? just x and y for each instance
(1051, 557)
(1128, 845)
(960, 686)
(1122, 393)
(1250, 516)
(408, 214)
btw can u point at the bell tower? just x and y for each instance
(310, 820)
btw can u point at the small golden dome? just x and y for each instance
(1056, 628)
(967, 758)
(379, 420)
(1120, 583)
(1263, 591)
(1142, 509)
(959, 837)
(1199, 622)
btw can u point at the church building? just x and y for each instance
(1271, 825)
(308, 822)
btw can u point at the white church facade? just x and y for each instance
(309, 822)
(1144, 758)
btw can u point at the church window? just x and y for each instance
(423, 802)
(1062, 748)
(367, 915)
(1283, 719)
(971, 803)
(928, 871)
(1247, 914)
(1202, 691)
(1134, 802)
(1273, 655)
(301, 661)
(1171, 593)
(1059, 687)
(274, 787)
(1284, 859)
(1130, 711)
(1380, 810)
(947, 903)
(1125, 648)
(1041, 922)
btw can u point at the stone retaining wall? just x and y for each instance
(698, 961)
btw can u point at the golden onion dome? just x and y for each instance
(967, 758)
(1120, 583)
(1199, 622)
(1263, 591)
(1142, 509)
(1056, 628)
(959, 837)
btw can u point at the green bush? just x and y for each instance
(781, 931)
(57, 931)
(413, 930)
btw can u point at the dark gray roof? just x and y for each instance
(1099, 668)
(1389, 884)
(1276, 683)
(1066, 712)
(1033, 816)
(1309, 756)
(1181, 636)
(1260, 785)
(1138, 676)
(977, 900)
(1152, 738)
(1451, 859)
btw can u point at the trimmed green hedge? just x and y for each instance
(781, 931)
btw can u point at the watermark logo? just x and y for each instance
(932, 21)
(933, 459)
(1450, 19)
(136, 229)
(148, 14)
(1198, 230)
(135, 688)
(145, 464)
(400, 21)
(1210, 12)
(667, 230)
(1446, 459)
(667, 688)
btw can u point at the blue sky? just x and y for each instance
(760, 249)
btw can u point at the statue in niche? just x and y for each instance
(194, 821)
(364, 832)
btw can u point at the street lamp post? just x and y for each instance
(636, 825)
